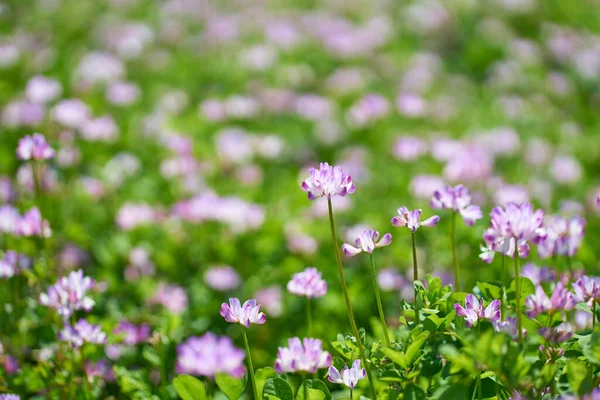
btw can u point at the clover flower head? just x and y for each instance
(563, 236)
(327, 181)
(209, 355)
(560, 300)
(557, 334)
(587, 289)
(246, 314)
(308, 283)
(82, 332)
(347, 376)
(302, 356)
(412, 219)
(69, 294)
(367, 242)
(457, 198)
(34, 147)
(474, 310)
(508, 326)
(133, 334)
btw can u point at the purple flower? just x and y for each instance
(13, 263)
(474, 311)
(458, 199)
(69, 294)
(347, 376)
(508, 326)
(32, 224)
(72, 113)
(538, 275)
(308, 283)
(512, 228)
(558, 334)
(82, 332)
(208, 355)
(302, 356)
(327, 181)
(172, 297)
(134, 334)
(367, 242)
(34, 147)
(270, 298)
(246, 314)
(587, 289)
(539, 302)
(10, 397)
(409, 148)
(412, 219)
(101, 369)
(222, 278)
(564, 236)
(42, 90)
(9, 218)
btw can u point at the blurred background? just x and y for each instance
(184, 128)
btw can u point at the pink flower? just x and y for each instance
(302, 356)
(246, 314)
(327, 181)
(210, 354)
(474, 311)
(457, 199)
(34, 147)
(347, 376)
(172, 297)
(539, 302)
(82, 332)
(222, 278)
(564, 236)
(508, 326)
(412, 219)
(41, 90)
(308, 283)
(367, 242)
(69, 294)
(133, 334)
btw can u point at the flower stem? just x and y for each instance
(338, 260)
(250, 366)
(415, 277)
(453, 245)
(479, 390)
(518, 298)
(379, 306)
(308, 317)
(504, 286)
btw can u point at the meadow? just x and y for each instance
(310, 199)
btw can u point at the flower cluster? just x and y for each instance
(132, 334)
(82, 332)
(302, 356)
(347, 376)
(457, 198)
(13, 263)
(222, 278)
(34, 147)
(327, 181)
(366, 242)
(563, 236)
(557, 334)
(208, 355)
(474, 310)
(539, 302)
(69, 294)
(412, 219)
(29, 224)
(308, 283)
(587, 289)
(246, 314)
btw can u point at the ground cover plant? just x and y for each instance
(302, 200)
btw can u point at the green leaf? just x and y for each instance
(396, 356)
(189, 388)
(150, 355)
(413, 392)
(579, 376)
(413, 349)
(262, 375)
(452, 392)
(230, 386)
(277, 388)
(490, 291)
(315, 390)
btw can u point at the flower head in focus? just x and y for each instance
(367, 242)
(308, 283)
(457, 198)
(587, 289)
(327, 181)
(302, 356)
(69, 294)
(474, 310)
(34, 147)
(412, 219)
(347, 376)
(246, 314)
(208, 355)
(82, 332)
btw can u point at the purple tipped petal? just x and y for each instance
(431, 221)
(350, 250)
(385, 240)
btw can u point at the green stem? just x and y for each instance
(250, 366)
(415, 277)
(379, 306)
(518, 298)
(504, 286)
(453, 245)
(309, 316)
(594, 314)
(479, 390)
(338, 260)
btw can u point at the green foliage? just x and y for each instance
(189, 388)
(313, 389)
(230, 386)
(277, 388)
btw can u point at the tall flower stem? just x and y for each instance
(308, 316)
(379, 306)
(453, 245)
(250, 366)
(518, 298)
(338, 260)
(415, 277)
(504, 286)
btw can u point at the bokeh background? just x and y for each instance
(184, 128)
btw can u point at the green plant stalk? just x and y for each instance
(594, 314)
(504, 286)
(518, 298)
(453, 245)
(250, 366)
(479, 390)
(379, 306)
(308, 316)
(415, 277)
(338, 260)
